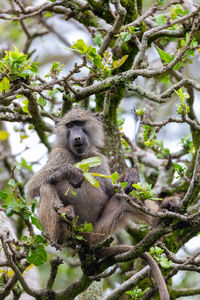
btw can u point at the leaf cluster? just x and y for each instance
(19, 204)
(181, 170)
(126, 34)
(101, 66)
(15, 65)
(143, 192)
(188, 143)
(168, 58)
(137, 293)
(36, 253)
(157, 254)
(82, 228)
(55, 70)
(183, 108)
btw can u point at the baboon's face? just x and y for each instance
(78, 141)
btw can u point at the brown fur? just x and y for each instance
(98, 206)
(52, 181)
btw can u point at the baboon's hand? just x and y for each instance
(131, 176)
(76, 177)
(68, 211)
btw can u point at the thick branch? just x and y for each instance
(130, 283)
(115, 28)
(194, 185)
(185, 292)
(37, 121)
(53, 272)
(74, 289)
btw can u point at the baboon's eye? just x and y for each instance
(69, 125)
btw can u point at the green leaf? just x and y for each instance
(80, 45)
(84, 167)
(9, 212)
(38, 239)
(34, 205)
(42, 101)
(3, 195)
(93, 161)
(161, 19)
(124, 184)
(34, 67)
(166, 57)
(26, 215)
(156, 199)
(140, 111)
(55, 65)
(48, 14)
(91, 52)
(156, 250)
(73, 193)
(37, 256)
(98, 61)
(4, 84)
(149, 133)
(97, 39)
(79, 237)
(177, 166)
(125, 36)
(133, 29)
(177, 66)
(130, 293)
(165, 151)
(4, 135)
(114, 177)
(19, 96)
(25, 107)
(23, 137)
(11, 182)
(36, 222)
(165, 262)
(91, 179)
(88, 227)
(137, 293)
(138, 186)
(118, 63)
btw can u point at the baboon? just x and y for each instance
(79, 136)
